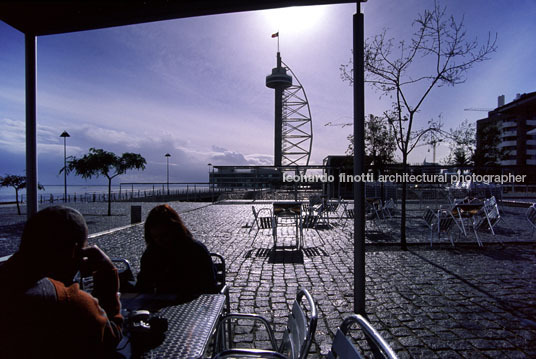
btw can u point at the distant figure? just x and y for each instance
(42, 313)
(173, 261)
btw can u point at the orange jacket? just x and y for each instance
(47, 319)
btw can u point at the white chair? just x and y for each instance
(388, 208)
(531, 218)
(262, 222)
(342, 347)
(489, 217)
(439, 222)
(297, 337)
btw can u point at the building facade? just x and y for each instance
(516, 122)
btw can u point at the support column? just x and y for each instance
(31, 124)
(359, 161)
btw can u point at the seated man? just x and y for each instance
(43, 314)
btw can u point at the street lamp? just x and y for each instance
(209, 182)
(65, 135)
(167, 171)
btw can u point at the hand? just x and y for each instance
(94, 259)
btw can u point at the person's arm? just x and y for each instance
(105, 289)
(90, 327)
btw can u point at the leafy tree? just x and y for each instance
(487, 153)
(99, 162)
(437, 54)
(379, 143)
(462, 144)
(17, 182)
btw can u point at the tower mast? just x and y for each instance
(279, 81)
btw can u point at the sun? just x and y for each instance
(294, 20)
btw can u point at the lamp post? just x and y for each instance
(167, 171)
(65, 135)
(209, 182)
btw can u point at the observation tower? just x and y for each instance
(293, 126)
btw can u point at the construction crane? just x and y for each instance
(478, 109)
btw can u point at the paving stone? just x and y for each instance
(443, 302)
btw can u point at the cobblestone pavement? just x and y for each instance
(440, 302)
(12, 224)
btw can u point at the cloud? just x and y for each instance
(12, 136)
(225, 157)
(218, 149)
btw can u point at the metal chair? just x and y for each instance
(350, 214)
(388, 208)
(492, 214)
(249, 353)
(263, 222)
(439, 222)
(531, 218)
(221, 284)
(488, 218)
(374, 208)
(297, 337)
(127, 281)
(342, 347)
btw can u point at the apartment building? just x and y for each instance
(516, 122)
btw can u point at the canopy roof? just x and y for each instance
(56, 17)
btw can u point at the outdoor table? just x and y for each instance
(466, 210)
(190, 325)
(289, 214)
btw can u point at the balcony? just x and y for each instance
(509, 124)
(507, 144)
(509, 134)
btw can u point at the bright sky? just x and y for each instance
(196, 87)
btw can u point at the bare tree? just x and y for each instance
(438, 53)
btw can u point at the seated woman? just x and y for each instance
(173, 261)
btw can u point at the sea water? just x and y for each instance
(7, 194)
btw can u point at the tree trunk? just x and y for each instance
(17, 200)
(109, 196)
(403, 243)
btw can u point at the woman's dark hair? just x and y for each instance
(164, 215)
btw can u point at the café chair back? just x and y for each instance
(221, 283)
(266, 221)
(492, 214)
(349, 214)
(249, 353)
(531, 218)
(297, 337)
(343, 348)
(388, 208)
(439, 222)
(127, 281)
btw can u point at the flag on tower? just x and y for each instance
(275, 34)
